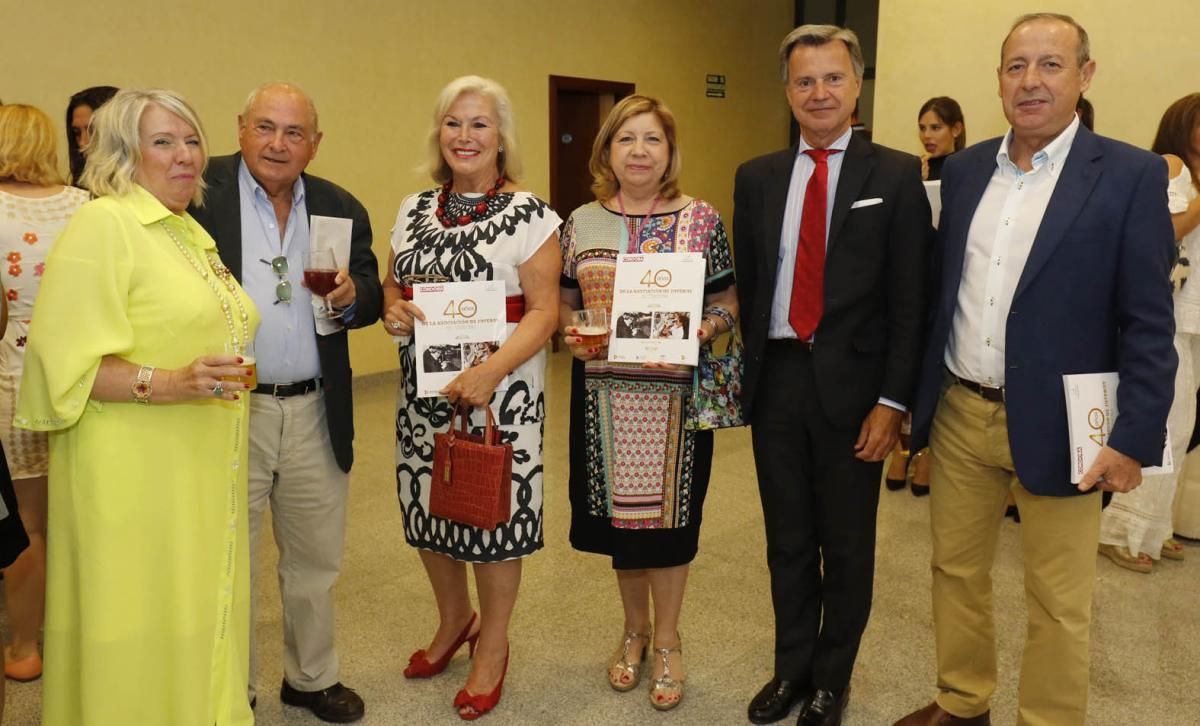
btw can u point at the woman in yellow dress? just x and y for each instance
(147, 601)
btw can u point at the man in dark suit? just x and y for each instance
(258, 208)
(831, 242)
(1054, 251)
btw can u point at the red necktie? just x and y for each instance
(808, 280)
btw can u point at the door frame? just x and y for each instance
(619, 89)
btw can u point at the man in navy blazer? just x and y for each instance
(1053, 257)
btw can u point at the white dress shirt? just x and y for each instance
(789, 237)
(998, 244)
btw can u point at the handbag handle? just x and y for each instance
(462, 415)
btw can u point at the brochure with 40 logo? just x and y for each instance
(657, 300)
(465, 323)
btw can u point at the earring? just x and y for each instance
(501, 149)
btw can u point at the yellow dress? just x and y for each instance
(147, 591)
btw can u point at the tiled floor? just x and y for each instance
(1146, 634)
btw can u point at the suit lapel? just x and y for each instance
(1078, 176)
(856, 167)
(775, 191)
(224, 196)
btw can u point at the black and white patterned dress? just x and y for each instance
(492, 248)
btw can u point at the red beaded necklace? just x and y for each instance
(473, 214)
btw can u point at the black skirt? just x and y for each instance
(13, 539)
(630, 549)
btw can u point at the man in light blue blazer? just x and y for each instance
(1053, 257)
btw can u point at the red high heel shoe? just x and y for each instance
(420, 667)
(483, 702)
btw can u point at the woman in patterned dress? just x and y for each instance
(480, 225)
(35, 205)
(637, 495)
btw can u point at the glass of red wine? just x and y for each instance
(320, 276)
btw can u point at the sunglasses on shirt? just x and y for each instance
(283, 290)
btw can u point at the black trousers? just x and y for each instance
(819, 505)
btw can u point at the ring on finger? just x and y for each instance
(395, 325)
(219, 389)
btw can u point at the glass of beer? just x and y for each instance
(591, 327)
(246, 351)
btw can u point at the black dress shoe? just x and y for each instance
(775, 700)
(336, 704)
(825, 708)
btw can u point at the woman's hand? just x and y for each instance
(582, 351)
(399, 315)
(202, 378)
(667, 366)
(474, 386)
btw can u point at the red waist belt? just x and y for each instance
(514, 305)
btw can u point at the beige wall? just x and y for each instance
(1145, 60)
(375, 67)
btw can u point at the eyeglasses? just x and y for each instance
(283, 291)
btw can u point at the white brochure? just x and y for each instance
(657, 300)
(464, 324)
(332, 233)
(1091, 413)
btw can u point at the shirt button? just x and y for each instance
(988, 342)
(991, 301)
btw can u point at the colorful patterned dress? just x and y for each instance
(638, 478)
(493, 247)
(28, 228)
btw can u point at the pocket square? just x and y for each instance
(867, 202)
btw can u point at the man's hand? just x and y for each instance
(879, 433)
(344, 294)
(1112, 472)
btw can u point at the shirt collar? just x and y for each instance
(1053, 156)
(148, 209)
(840, 143)
(260, 194)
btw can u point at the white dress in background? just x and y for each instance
(1141, 520)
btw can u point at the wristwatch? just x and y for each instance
(141, 387)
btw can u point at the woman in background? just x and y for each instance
(942, 131)
(79, 116)
(1137, 526)
(34, 207)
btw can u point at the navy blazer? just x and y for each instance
(868, 343)
(1095, 296)
(221, 215)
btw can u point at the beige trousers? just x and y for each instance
(292, 469)
(972, 475)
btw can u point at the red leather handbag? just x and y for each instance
(472, 475)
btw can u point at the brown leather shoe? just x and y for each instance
(935, 715)
(336, 704)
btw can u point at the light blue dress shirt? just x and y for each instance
(286, 343)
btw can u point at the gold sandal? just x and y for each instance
(1172, 549)
(628, 674)
(666, 692)
(1121, 558)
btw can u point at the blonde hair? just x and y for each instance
(604, 179)
(508, 160)
(28, 146)
(115, 151)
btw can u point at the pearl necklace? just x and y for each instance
(222, 273)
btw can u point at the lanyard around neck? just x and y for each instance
(635, 241)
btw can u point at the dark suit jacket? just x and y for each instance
(221, 215)
(1095, 296)
(869, 339)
